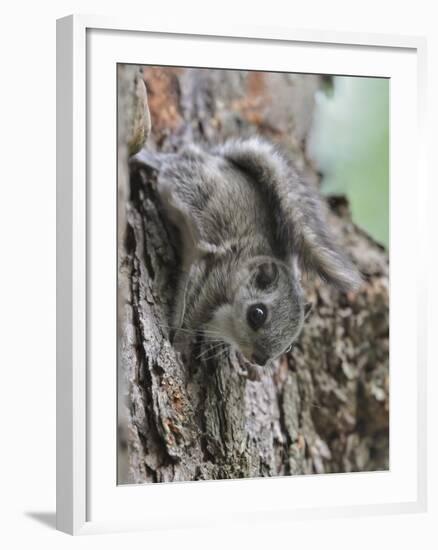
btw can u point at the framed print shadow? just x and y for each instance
(231, 275)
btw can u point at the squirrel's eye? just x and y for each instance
(256, 315)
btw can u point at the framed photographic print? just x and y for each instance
(239, 220)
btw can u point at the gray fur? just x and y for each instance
(244, 214)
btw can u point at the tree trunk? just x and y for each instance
(324, 406)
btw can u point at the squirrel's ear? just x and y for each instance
(265, 275)
(298, 211)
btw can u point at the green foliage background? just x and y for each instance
(350, 145)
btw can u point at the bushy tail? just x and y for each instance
(301, 226)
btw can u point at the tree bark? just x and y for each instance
(323, 407)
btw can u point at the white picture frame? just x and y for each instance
(87, 500)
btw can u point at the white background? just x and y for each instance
(27, 301)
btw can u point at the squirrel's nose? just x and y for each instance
(259, 359)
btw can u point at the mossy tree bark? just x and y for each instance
(322, 408)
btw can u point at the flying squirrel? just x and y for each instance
(249, 226)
